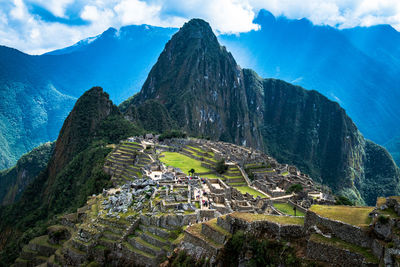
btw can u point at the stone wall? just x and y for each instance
(199, 248)
(208, 231)
(334, 255)
(259, 228)
(349, 233)
(298, 207)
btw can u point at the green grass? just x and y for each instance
(233, 177)
(287, 209)
(251, 191)
(197, 149)
(336, 242)
(265, 217)
(212, 176)
(348, 214)
(182, 162)
(238, 184)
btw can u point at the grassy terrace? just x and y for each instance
(182, 162)
(287, 209)
(251, 191)
(336, 242)
(357, 216)
(213, 224)
(380, 201)
(250, 217)
(195, 230)
(197, 152)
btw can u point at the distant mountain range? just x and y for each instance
(195, 86)
(38, 92)
(359, 68)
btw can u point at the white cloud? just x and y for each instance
(342, 13)
(136, 12)
(19, 11)
(31, 33)
(57, 7)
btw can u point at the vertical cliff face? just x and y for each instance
(307, 129)
(204, 91)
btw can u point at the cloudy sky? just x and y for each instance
(38, 26)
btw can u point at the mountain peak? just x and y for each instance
(197, 24)
(195, 30)
(189, 56)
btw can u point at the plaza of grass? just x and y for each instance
(186, 163)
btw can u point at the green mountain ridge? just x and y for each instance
(74, 171)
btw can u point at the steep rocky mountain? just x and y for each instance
(13, 181)
(38, 92)
(202, 89)
(74, 171)
(359, 68)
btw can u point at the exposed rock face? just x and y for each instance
(206, 93)
(14, 180)
(201, 86)
(79, 127)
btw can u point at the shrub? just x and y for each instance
(383, 219)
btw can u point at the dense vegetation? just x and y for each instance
(14, 180)
(79, 157)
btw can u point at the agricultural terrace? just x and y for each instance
(288, 209)
(357, 216)
(251, 191)
(250, 217)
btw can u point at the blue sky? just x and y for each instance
(38, 26)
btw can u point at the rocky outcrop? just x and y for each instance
(202, 89)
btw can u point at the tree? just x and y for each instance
(342, 200)
(221, 167)
(192, 171)
(295, 188)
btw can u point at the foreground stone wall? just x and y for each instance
(349, 233)
(259, 228)
(335, 256)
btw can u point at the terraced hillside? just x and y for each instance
(125, 161)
